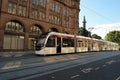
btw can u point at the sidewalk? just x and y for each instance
(15, 54)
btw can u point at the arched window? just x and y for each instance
(14, 26)
(13, 41)
(35, 30)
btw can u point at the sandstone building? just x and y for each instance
(23, 21)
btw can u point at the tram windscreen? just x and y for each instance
(41, 41)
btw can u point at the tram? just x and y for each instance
(61, 43)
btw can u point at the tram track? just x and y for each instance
(37, 61)
(25, 61)
(37, 66)
(27, 69)
(9, 64)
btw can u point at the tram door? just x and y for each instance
(58, 45)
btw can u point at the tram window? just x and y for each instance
(80, 43)
(50, 42)
(68, 42)
(85, 44)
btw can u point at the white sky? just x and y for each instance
(102, 30)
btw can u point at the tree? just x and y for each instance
(96, 36)
(84, 32)
(113, 36)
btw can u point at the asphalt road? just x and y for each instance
(81, 66)
(105, 69)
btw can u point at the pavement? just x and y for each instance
(15, 54)
(24, 67)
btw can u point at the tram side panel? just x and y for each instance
(95, 46)
(50, 47)
(63, 43)
(90, 45)
(82, 45)
(68, 45)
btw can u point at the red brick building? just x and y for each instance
(22, 21)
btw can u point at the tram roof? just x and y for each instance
(61, 34)
(77, 36)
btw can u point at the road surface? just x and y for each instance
(106, 69)
(80, 66)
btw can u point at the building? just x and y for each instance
(22, 21)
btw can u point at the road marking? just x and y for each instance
(111, 62)
(87, 70)
(52, 77)
(97, 68)
(104, 65)
(74, 76)
(118, 78)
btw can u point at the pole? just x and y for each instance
(75, 43)
(0, 7)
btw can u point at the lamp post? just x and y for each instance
(0, 4)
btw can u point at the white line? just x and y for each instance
(118, 78)
(97, 68)
(74, 76)
(104, 65)
(52, 77)
(87, 70)
(111, 62)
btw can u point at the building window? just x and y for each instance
(34, 14)
(32, 40)
(14, 26)
(66, 12)
(57, 20)
(25, 0)
(67, 2)
(55, 13)
(32, 43)
(66, 23)
(58, 8)
(35, 2)
(43, 3)
(42, 15)
(22, 11)
(54, 19)
(13, 41)
(12, 8)
(35, 30)
(52, 6)
(51, 18)
(66, 17)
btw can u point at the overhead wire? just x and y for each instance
(97, 13)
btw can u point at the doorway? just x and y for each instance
(58, 45)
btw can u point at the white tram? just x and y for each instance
(60, 43)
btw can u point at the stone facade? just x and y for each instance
(48, 15)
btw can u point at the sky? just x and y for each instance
(103, 29)
(99, 12)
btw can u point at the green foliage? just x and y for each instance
(84, 32)
(96, 36)
(113, 36)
